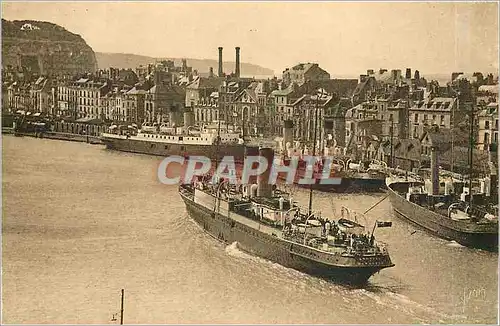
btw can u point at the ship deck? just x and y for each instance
(256, 225)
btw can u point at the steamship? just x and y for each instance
(354, 177)
(470, 219)
(265, 221)
(187, 140)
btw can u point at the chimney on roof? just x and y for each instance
(408, 73)
(381, 71)
(237, 69)
(211, 72)
(417, 75)
(362, 78)
(220, 62)
(370, 72)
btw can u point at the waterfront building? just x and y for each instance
(304, 72)
(487, 126)
(201, 87)
(162, 99)
(206, 109)
(432, 111)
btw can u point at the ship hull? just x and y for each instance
(166, 149)
(348, 184)
(275, 249)
(481, 236)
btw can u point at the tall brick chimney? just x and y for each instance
(237, 69)
(221, 73)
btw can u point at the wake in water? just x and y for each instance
(352, 297)
(454, 244)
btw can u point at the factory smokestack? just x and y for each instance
(220, 62)
(237, 70)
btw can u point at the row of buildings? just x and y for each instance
(363, 117)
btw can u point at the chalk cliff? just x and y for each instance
(45, 48)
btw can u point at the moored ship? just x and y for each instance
(358, 177)
(266, 222)
(184, 141)
(354, 177)
(470, 220)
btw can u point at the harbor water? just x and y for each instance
(81, 222)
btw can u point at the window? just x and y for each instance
(496, 137)
(496, 124)
(486, 138)
(442, 120)
(486, 125)
(416, 117)
(390, 117)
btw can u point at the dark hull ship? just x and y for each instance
(350, 180)
(417, 207)
(265, 222)
(471, 219)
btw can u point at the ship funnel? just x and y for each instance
(434, 171)
(172, 118)
(252, 151)
(287, 132)
(264, 188)
(188, 120)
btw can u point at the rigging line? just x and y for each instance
(373, 206)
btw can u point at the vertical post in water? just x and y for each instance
(121, 310)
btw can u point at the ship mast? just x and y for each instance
(471, 151)
(314, 150)
(392, 144)
(217, 145)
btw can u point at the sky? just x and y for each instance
(344, 38)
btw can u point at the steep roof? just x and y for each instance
(442, 138)
(407, 148)
(204, 82)
(135, 91)
(282, 92)
(436, 103)
(341, 87)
